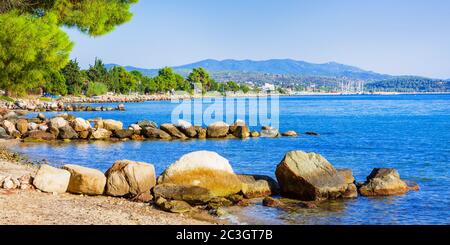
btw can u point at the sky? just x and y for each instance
(401, 37)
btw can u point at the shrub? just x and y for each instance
(96, 88)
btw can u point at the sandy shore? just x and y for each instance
(32, 207)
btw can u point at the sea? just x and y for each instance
(410, 133)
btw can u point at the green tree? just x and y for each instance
(30, 49)
(56, 84)
(94, 17)
(95, 89)
(245, 88)
(98, 72)
(201, 76)
(73, 76)
(232, 86)
(167, 80)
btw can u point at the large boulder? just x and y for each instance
(101, 134)
(186, 128)
(39, 135)
(205, 169)
(9, 127)
(79, 124)
(123, 133)
(129, 178)
(67, 132)
(58, 122)
(147, 123)
(85, 180)
(239, 129)
(217, 130)
(172, 130)
(155, 133)
(194, 195)
(269, 132)
(309, 177)
(51, 179)
(22, 126)
(254, 186)
(383, 182)
(347, 175)
(111, 125)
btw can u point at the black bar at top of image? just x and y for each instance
(223, 234)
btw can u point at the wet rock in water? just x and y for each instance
(201, 132)
(312, 133)
(383, 182)
(67, 132)
(241, 132)
(121, 107)
(101, 134)
(204, 169)
(32, 126)
(254, 134)
(269, 132)
(135, 127)
(236, 124)
(58, 122)
(84, 180)
(154, 133)
(54, 131)
(347, 175)
(290, 134)
(137, 137)
(194, 195)
(186, 128)
(309, 177)
(84, 134)
(273, 203)
(129, 178)
(254, 186)
(173, 131)
(22, 126)
(412, 186)
(173, 206)
(39, 135)
(112, 125)
(217, 130)
(147, 123)
(123, 133)
(79, 124)
(50, 179)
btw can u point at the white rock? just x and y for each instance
(81, 125)
(8, 183)
(135, 127)
(199, 160)
(112, 124)
(9, 127)
(43, 127)
(183, 124)
(58, 122)
(51, 179)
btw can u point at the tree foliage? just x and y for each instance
(31, 48)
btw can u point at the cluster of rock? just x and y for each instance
(123, 98)
(310, 177)
(42, 106)
(204, 180)
(68, 127)
(10, 182)
(198, 180)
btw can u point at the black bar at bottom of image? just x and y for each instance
(223, 234)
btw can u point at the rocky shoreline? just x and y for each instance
(67, 127)
(24, 106)
(205, 182)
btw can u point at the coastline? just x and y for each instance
(31, 206)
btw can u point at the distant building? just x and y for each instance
(268, 87)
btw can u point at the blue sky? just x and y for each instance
(394, 37)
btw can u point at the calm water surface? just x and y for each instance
(408, 132)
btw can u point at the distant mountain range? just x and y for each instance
(288, 72)
(274, 66)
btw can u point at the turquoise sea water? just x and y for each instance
(408, 132)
